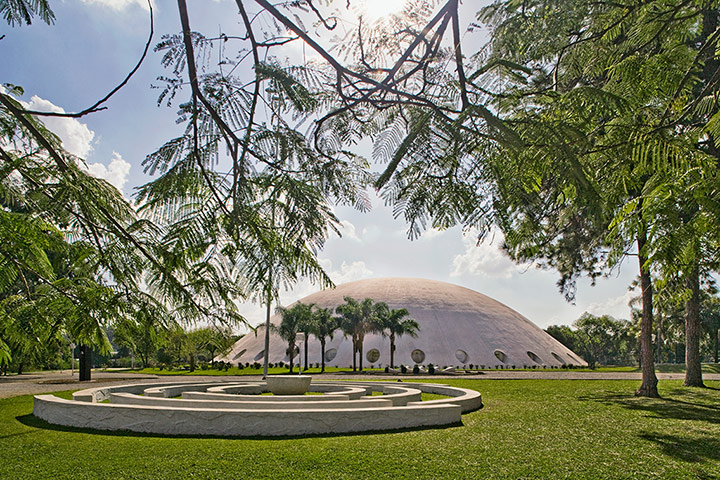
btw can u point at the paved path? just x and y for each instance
(44, 382)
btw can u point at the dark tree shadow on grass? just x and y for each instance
(691, 450)
(35, 422)
(701, 404)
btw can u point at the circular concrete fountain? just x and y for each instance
(208, 408)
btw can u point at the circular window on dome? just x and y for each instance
(373, 355)
(417, 355)
(534, 357)
(557, 357)
(330, 354)
(501, 355)
(240, 354)
(461, 356)
(260, 355)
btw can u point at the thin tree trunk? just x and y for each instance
(648, 388)
(659, 339)
(715, 344)
(267, 333)
(354, 342)
(291, 354)
(392, 350)
(693, 366)
(322, 355)
(360, 352)
(307, 337)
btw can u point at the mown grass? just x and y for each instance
(550, 429)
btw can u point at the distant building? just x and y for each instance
(458, 326)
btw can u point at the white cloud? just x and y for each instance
(116, 172)
(119, 5)
(76, 137)
(350, 272)
(432, 233)
(484, 259)
(348, 230)
(617, 307)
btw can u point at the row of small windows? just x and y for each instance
(418, 356)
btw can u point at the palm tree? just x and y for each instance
(396, 325)
(292, 318)
(324, 326)
(306, 326)
(357, 319)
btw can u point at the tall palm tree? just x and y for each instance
(395, 323)
(306, 326)
(357, 319)
(292, 318)
(324, 326)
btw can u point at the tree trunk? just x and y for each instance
(392, 350)
(291, 354)
(354, 342)
(648, 388)
(307, 337)
(322, 355)
(693, 366)
(267, 338)
(360, 352)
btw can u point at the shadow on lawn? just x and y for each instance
(701, 404)
(694, 450)
(31, 420)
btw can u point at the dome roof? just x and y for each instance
(458, 326)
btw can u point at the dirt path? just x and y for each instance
(46, 382)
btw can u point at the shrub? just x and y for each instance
(403, 369)
(431, 369)
(281, 364)
(416, 369)
(240, 365)
(387, 369)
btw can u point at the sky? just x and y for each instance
(95, 43)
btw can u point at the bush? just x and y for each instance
(431, 369)
(281, 364)
(256, 366)
(403, 369)
(416, 369)
(387, 369)
(240, 365)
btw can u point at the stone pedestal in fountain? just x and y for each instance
(288, 384)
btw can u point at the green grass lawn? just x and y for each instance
(528, 429)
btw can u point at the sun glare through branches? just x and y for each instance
(374, 10)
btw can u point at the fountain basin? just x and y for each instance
(288, 384)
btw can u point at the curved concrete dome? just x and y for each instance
(458, 326)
